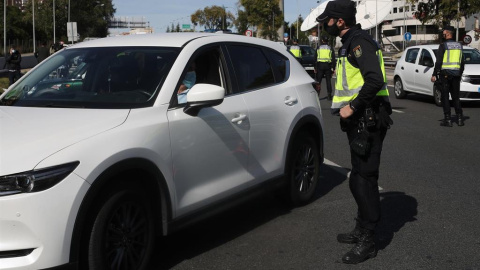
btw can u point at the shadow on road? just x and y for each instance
(397, 209)
(227, 226)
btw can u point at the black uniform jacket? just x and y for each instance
(362, 54)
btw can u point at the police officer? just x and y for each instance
(295, 49)
(449, 68)
(361, 100)
(325, 64)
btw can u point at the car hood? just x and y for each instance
(29, 135)
(472, 69)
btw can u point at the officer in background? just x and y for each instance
(13, 62)
(449, 69)
(295, 50)
(361, 100)
(325, 64)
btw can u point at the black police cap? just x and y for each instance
(344, 9)
(449, 28)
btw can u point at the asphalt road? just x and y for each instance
(430, 206)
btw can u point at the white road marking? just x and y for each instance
(397, 111)
(341, 169)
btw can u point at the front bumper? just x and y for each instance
(36, 228)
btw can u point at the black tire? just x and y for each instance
(302, 169)
(398, 89)
(437, 95)
(123, 234)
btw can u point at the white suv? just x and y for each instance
(414, 71)
(98, 155)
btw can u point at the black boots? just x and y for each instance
(460, 120)
(447, 121)
(364, 247)
(351, 237)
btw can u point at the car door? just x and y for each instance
(272, 105)
(210, 150)
(423, 72)
(407, 69)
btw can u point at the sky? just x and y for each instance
(162, 13)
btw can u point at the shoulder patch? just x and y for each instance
(357, 51)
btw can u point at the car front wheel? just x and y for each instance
(437, 95)
(398, 89)
(303, 169)
(123, 234)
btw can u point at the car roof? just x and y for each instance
(170, 40)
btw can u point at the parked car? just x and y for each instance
(308, 60)
(414, 71)
(91, 173)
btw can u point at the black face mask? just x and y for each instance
(332, 30)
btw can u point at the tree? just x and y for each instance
(213, 17)
(263, 14)
(441, 12)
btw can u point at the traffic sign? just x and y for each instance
(248, 33)
(467, 39)
(285, 35)
(407, 36)
(185, 26)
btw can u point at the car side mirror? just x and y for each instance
(203, 95)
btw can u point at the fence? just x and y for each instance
(24, 46)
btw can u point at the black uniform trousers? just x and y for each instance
(13, 76)
(364, 175)
(324, 69)
(451, 85)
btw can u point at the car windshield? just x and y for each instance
(472, 56)
(114, 77)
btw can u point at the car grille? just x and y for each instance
(469, 94)
(474, 79)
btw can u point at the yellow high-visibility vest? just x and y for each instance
(350, 81)
(295, 49)
(452, 57)
(324, 54)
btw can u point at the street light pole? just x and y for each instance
(33, 19)
(5, 28)
(54, 38)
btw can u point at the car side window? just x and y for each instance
(426, 58)
(204, 67)
(252, 68)
(280, 65)
(411, 55)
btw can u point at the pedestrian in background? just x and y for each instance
(325, 64)
(295, 49)
(12, 62)
(361, 100)
(42, 53)
(449, 69)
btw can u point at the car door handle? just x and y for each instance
(290, 101)
(402, 68)
(239, 117)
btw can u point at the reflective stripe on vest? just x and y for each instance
(452, 57)
(324, 54)
(350, 81)
(296, 51)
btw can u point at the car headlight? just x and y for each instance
(465, 78)
(36, 180)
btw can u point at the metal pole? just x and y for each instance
(297, 25)
(376, 21)
(458, 22)
(33, 18)
(54, 37)
(5, 28)
(404, 26)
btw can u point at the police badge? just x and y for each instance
(357, 51)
